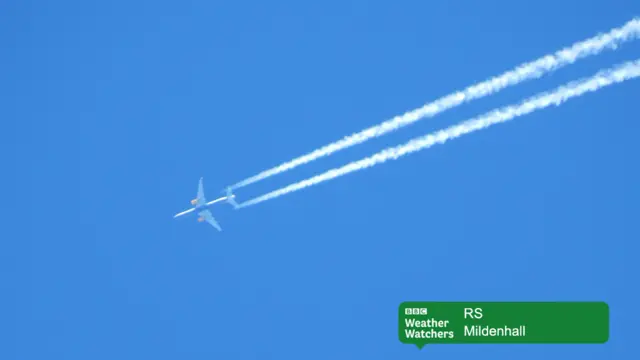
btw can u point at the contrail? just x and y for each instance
(532, 70)
(603, 78)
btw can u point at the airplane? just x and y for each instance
(202, 207)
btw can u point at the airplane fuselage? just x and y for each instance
(200, 207)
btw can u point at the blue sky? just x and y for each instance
(114, 110)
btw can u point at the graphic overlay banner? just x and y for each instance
(422, 323)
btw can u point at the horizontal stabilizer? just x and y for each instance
(231, 199)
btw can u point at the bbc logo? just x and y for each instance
(415, 311)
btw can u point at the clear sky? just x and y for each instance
(113, 110)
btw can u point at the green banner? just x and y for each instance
(422, 323)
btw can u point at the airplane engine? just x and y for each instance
(200, 219)
(194, 201)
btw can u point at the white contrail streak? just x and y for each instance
(630, 31)
(604, 78)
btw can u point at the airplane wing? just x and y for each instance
(200, 198)
(206, 214)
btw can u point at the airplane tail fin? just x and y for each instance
(231, 199)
